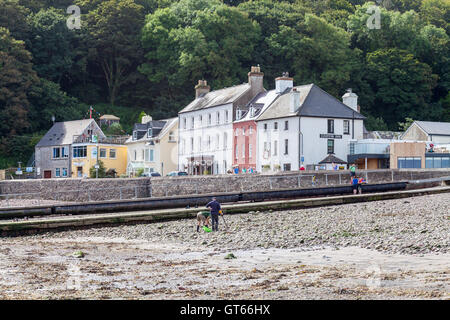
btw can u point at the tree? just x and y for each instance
(403, 126)
(193, 40)
(402, 85)
(326, 58)
(51, 44)
(101, 170)
(113, 34)
(436, 12)
(13, 17)
(375, 124)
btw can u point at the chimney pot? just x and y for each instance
(350, 99)
(201, 88)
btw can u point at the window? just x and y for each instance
(192, 144)
(286, 146)
(102, 153)
(209, 119)
(184, 123)
(171, 136)
(147, 151)
(218, 117)
(352, 147)
(217, 141)
(243, 131)
(112, 153)
(135, 155)
(275, 147)
(265, 126)
(287, 167)
(250, 150)
(330, 146)
(346, 127)
(250, 130)
(243, 151)
(56, 153)
(65, 152)
(286, 125)
(135, 135)
(437, 162)
(208, 145)
(226, 115)
(330, 126)
(192, 123)
(199, 143)
(58, 172)
(152, 155)
(225, 142)
(236, 152)
(201, 120)
(236, 132)
(143, 155)
(79, 152)
(64, 172)
(150, 132)
(275, 126)
(409, 162)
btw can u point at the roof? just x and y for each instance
(217, 97)
(109, 117)
(392, 135)
(331, 158)
(159, 129)
(260, 103)
(437, 128)
(62, 133)
(314, 102)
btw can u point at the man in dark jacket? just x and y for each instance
(214, 207)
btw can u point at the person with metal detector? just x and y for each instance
(214, 207)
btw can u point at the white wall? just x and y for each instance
(140, 158)
(204, 130)
(271, 135)
(440, 139)
(315, 147)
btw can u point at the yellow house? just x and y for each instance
(84, 157)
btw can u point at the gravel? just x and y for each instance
(416, 225)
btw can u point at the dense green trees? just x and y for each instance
(134, 55)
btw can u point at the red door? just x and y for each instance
(47, 174)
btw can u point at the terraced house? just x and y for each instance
(153, 146)
(206, 125)
(69, 149)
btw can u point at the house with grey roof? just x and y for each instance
(53, 153)
(153, 147)
(206, 124)
(438, 132)
(304, 125)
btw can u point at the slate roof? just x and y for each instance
(109, 117)
(314, 102)
(437, 128)
(217, 98)
(159, 128)
(61, 133)
(391, 135)
(331, 158)
(260, 102)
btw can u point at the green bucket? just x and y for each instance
(206, 229)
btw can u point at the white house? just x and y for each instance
(206, 125)
(438, 132)
(153, 147)
(304, 125)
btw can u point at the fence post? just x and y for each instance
(135, 192)
(120, 192)
(298, 181)
(367, 179)
(270, 184)
(340, 181)
(326, 179)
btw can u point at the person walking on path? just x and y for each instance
(203, 218)
(215, 209)
(355, 184)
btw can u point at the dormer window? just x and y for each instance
(135, 135)
(150, 132)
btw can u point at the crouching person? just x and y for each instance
(203, 219)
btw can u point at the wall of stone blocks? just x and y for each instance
(84, 190)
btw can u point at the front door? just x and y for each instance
(80, 172)
(47, 174)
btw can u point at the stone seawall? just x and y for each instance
(84, 190)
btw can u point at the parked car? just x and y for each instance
(151, 174)
(177, 173)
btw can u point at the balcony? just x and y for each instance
(101, 140)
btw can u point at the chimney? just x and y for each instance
(283, 82)
(350, 99)
(201, 88)
(295, 100)
(255, 80)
